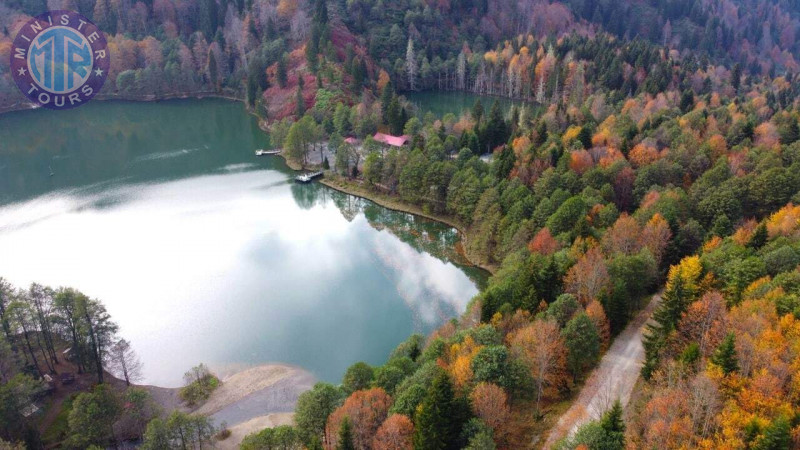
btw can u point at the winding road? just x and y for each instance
(613, 378)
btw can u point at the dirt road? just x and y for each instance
(613, 378)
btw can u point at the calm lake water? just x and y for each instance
(203, 252)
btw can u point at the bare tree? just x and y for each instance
(411, 65)
(122, 360)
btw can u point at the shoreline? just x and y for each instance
(248, 399)
(388, 202)
(394, 204)
(144, 98)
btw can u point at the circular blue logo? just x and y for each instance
(60, 59)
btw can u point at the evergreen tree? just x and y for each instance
(725, 355)
(438, 419)
(212, 70)
(301, 102)
(282, 77)
(676, 298)
(387, 94)
(477, 111)
(396, 121)
(777, 436)
(583, 344)
(687, 101)
(614, 426)
(759, 237)
(496, 131)
(345, 436)
(736, 76)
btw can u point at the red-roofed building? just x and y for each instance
(394, 141)
(351, 141)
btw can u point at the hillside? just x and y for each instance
(656, 148)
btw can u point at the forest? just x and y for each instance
(657, 154)
(45, 329)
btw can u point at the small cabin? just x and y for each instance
(392, 141)
(351, 141)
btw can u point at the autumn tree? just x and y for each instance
(366, 410)
(623, 237)
(396, 433)
(588, 278)
(542, 348)
(544, 243)
(597, 314)
(490, 404)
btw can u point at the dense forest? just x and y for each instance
(626, 174)
(658, 149)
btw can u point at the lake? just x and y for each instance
(203, 252)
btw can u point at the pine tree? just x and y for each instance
(614, 426)
(496, 130)
(282, 77)
(725, 355)
(477, 111)
(777, 436)
(759, 237)
(395, 118)
(345, 436)
(212, 69)
(437, 423)
(736, 77)
(676, 298)
(549, 280)
(387, 94)
(301, 103)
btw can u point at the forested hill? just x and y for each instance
(245, 47)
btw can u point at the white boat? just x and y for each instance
(262, 152)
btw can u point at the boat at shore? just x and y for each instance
(262, 152)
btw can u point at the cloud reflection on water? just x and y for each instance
(218, 269)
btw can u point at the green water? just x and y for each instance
(205, 253)
(443, 102)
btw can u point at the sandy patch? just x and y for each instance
(254, 425)
(259, 381)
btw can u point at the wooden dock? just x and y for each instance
(262, 152)
(307, 177)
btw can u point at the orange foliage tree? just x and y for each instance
(542, 348)
(544, 243)
(623, 237)
(490, 403)
(655, 236)
(366, 410)
(395, 433)
(597, 314)
(588, 278)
